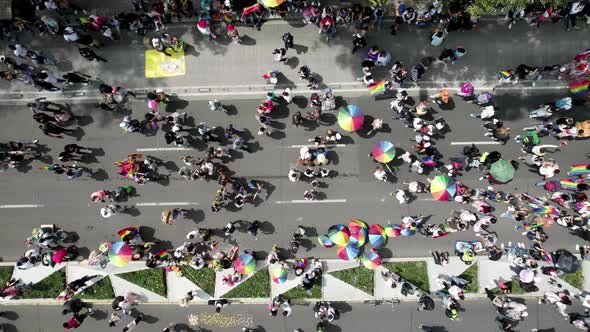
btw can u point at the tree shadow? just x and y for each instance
(248, 41)
(100, 175)
(132, 211)
(266, 227)
(196, 215)
(147, 233)
(10, 315)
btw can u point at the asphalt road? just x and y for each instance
(478, 315)
(352, 193)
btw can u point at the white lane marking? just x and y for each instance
(318, 146)
(427, 199)
(166, 203)
(476, 143)
(303, 201)
(162, 149)
(21, 206)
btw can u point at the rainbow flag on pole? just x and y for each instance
(250, 9)
(505, 74)
(580, 88)
(377, 88)
(579, 170)
(568, 184)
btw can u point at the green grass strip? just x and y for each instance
(471, 275)
(358, 277)
(204, 278)
(101, 290)
(414, 272)
(257, 286)
(575, 279)
(153, 280)
(48, 288)
(298, 293)
(5, 274)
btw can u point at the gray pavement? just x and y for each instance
(478, 316)
(229, 68)
(353, 192)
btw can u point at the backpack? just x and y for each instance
(407, 289)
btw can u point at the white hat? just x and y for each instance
(69, 30)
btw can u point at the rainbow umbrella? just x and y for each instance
(377, 236)
(279, 275)
(245, 264)
(348, 253)
(358, 232)
(371, 259)
(384, 151)
(325, 241)
(502, 171)
(408, 231)
(339, 235)
(271, 3)
(392, 230)
(579, 170)
(443, 188)
(120, 254)
(350, 118)
(128, 233)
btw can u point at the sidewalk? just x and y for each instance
(342, 281)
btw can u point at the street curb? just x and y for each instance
(259, 90)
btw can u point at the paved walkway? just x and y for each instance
(333, 289)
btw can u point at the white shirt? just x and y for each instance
(50, 77)
(71, 37)
(487, 112)
(20, 51)
(577, 7)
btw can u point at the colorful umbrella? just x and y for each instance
(377, 236)
(128, 233)
(271, 3)
(502, 171)
(279, 275)
(384, 152)
(371, 259)
(408, 231)
(339, 235)
(579, 170)
(358, 232)
(245, 264)
(120, 254)
(325, 241)
(348, 253)
(350, 118)
(392, 230)
(443, 188)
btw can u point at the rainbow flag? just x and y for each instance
(128, 233)
(505, 74)
(377, 88)
(580, 88)
(579, 170)
(162, 255)
(568, 184)
(250, 9)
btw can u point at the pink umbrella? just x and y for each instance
(526, 275)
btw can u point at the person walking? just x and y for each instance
(288, 40)
(75, 306)
(52, 130)
(572, 10)
(131, 326)
(75, 321)
(90, 55)
(279, 54)
(358, 42)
